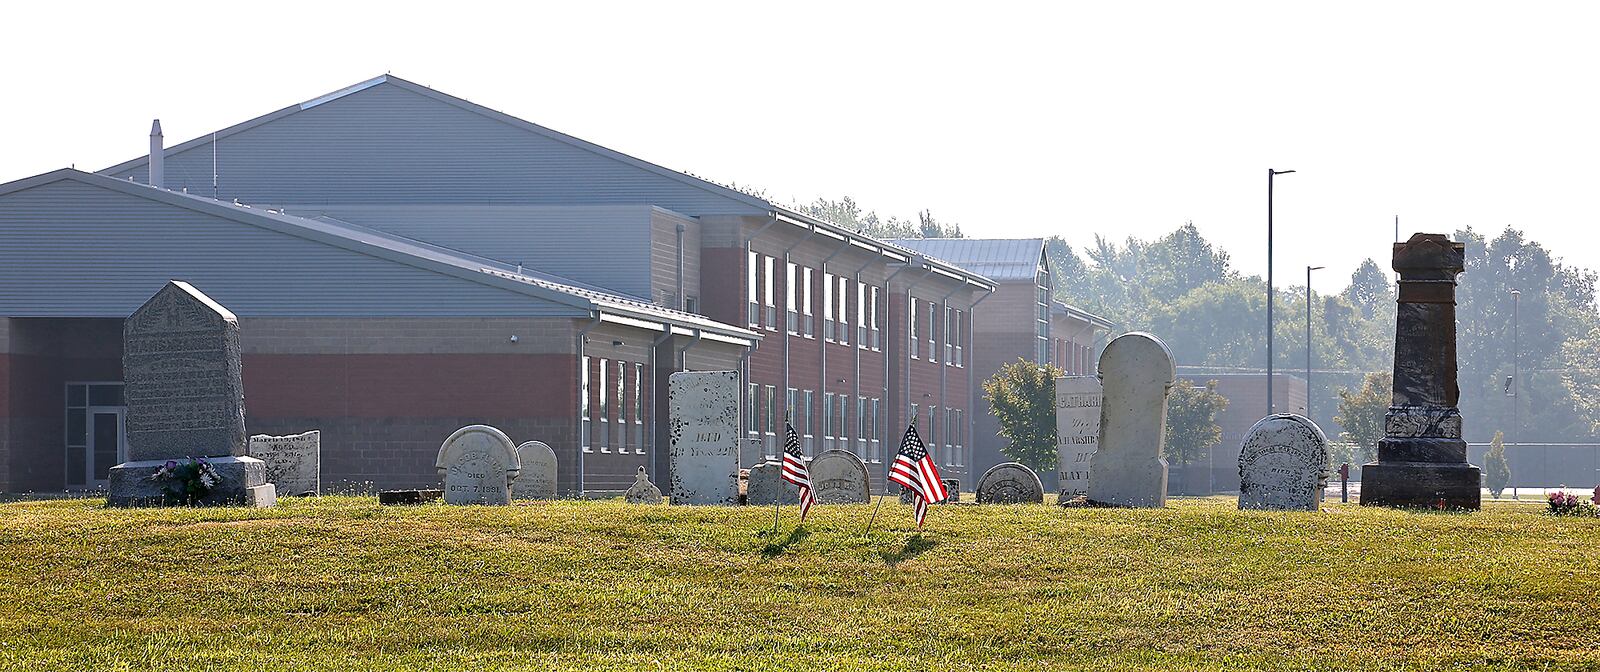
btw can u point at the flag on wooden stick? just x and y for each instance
(795, 471)
(914, 468)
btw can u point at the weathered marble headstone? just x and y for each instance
(766, 486)
(840, 477)
(537, 480)
(1010, 483)
(1077, 432)
(479, 463)
(1422, 460)
(1136, 373)
(293, 461)
(951, 486)
(703, 427)
(1283, 464)
(642, 491)
(185, 398)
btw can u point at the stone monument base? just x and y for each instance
(1449, 485)
(244, 482)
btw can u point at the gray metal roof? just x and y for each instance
(723, 194)
(416, 254)
(1001, 259)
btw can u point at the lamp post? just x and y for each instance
(1516, 372)
(1270, 175)
(1309, 269)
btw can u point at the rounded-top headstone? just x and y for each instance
(537, 480)
(840, 477)
(478, 462)
(1010, 483)
(1136, 373)
(1283, 464)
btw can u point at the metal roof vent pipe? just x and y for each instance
(158, 157)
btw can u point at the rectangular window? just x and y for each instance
(605, 409)
(751, 285)
(752, 410)
(772, 410)
(876, 431)
(827, 306)
(638, 408)
(840, 425)
(769, 293)
(789, 408)
(862, 297)
(586, 427)
(957, 335)
(861, 426)
(622, 409)
(877, 322)
(916, 340)
(827, 421)
(792, 307)
(805, 418)
(806, 319)
(932, 437)
(844, 310)
(933, 331)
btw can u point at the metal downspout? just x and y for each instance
(579, 340)
(683, 355)
(655, 466)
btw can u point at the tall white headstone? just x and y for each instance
(1136, 373)
(703, 408)
(1283, 464)
(479, 463)
(1077, 432)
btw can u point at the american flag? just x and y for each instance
(795, 471)
(913, 468)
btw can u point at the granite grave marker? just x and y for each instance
(185, 397)
(766, 486)
(479, 463)
(840, 477)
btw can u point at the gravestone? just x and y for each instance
(952, 487)
(1422, 460)
(703, 431)
(537, 480)
(840, 477)
(642, 491)
(1283, 464)
(1010, 483)
(1136, 373)
(293, 461)
(399, 497)
(766, 486)
(185, 398)
(479, 463)
(1077, 432)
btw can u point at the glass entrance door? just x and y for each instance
(107, 443)
(96, 433)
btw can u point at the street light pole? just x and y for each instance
(1309, 269)
(1270, 174)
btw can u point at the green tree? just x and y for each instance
(1496, 471)
(1361, 412)
(1192, 427)
(1022, 396)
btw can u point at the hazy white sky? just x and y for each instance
(1119, 118)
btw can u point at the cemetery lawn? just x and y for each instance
(342, 583)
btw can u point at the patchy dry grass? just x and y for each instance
(342, 583)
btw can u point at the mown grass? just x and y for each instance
(342, 583)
